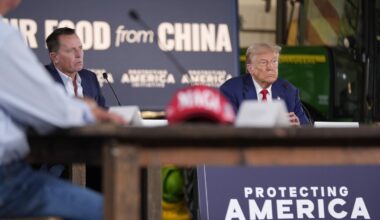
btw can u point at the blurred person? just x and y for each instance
(262, 83)
(29, 98)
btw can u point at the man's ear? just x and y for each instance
(249, 68)
(53, 57)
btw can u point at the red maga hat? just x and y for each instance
(199, 103)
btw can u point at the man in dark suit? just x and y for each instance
(262, 83)
(66, 67)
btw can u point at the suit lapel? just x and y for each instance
(278, 91)
(85, 86)
(249, 88)
(55, 74)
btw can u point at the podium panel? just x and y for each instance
(303, 192)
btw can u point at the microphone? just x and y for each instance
(307, 112)
(105, 76)
(134, 15)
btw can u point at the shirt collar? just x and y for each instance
(259, 88)
(65, 78)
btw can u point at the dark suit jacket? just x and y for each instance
(242, 88)
(90, 84)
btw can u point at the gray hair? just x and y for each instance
(258, 48)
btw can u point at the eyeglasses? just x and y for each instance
(265, 63)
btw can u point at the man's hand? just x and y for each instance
(102, 115)
(293, 119)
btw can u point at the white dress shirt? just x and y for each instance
(30, 98)
(68, 84)
(258, 91)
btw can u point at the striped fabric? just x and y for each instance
(327, 20)
(323, 21)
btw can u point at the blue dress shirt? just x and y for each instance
(30, 98)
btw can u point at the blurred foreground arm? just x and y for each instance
(101, 114)
(31, 96)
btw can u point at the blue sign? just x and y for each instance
(248, 193)
(149, 48)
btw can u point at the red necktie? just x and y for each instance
(75, 85)
(264, 92)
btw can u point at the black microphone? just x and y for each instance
(134, 15)
(308, 115)
(105, 76)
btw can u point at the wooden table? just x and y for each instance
(123, 150)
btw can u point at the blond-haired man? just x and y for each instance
(262, 83)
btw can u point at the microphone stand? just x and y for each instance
(105, 76)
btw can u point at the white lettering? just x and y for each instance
(50, 25)
(327, 197)
(259, 191)
(303, 192)
(223, 41)
(93, 35)
(265, 213)
(343, 191)
(314, 189)
(204, 98)
(132, 36)
(292, 192)
(170, 79)
(28, 29)
(182, 37)
(331, 208)
(305, 207)
(331, 191)
(247, 191)
(149, 78)
(164, 30)
(84, 32)
(66, 23)
(282, 190)
(194, 37)
(283, 209)
(208, 37)
(234, 211)
(102, 35)
(271, 192)
(321, 208)
(359, 209)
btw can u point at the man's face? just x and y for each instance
(69, 57)
(264, 67)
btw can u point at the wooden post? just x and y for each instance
(154, 193)
(77, 173)
(121, 182)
